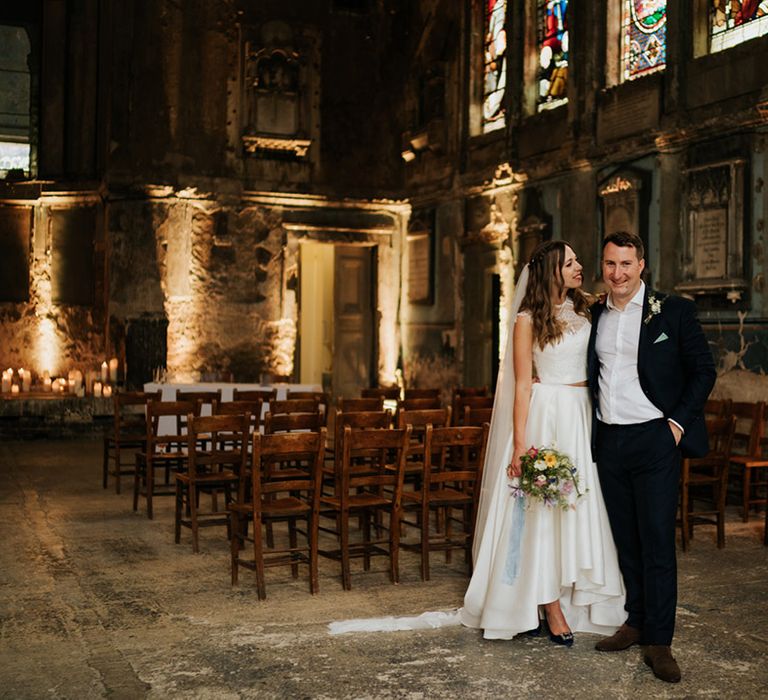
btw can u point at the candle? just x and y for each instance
(113, 370)
(6, 381)
(104, 371)
(26, 379)
(15, 389)
(47, 384)
(107, 391)
(70, 386)
(77, 375)
(97, 388)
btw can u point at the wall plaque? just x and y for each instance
(711, 231)
(420, 241)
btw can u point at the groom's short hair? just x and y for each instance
(625, 239)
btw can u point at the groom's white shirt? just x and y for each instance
(622, 400)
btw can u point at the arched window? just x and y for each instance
(552, 41)
(494, 65)
(735, 21)
(643, 37)
(15, 95)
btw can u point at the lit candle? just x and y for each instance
(106, 391)
(77, 375)
(97, 388)
(6, 381)
(71, 386)
(47, 384)
(113, 370)
(15, 389)
(104, 371)
(26, 379)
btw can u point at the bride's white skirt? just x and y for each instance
(568, 555)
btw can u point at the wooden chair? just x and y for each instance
(371, 496)
(263, 395)
(166, 453)
(477, 416)
(419, 420)
(453, 468)
(369, 404)
(292, 422)
(750, 438)
(391, 393)
(462, 392)
(320, 398)
(421, 394)
(473, 402)
(287, 498)
(205, 398)
(127, 434)
(211, 470)
(716, 408)
(709, 471)
(240, 407)
(420, 404)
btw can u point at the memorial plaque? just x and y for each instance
(420, 268)
(73, 232)
(711, 236)
(15, 232)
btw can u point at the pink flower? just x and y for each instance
(540, 480)
(567, 487)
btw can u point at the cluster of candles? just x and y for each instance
(95, 383)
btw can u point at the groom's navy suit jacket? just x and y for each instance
(674, 364)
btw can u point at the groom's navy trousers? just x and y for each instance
(639, 469)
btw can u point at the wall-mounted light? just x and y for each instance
(420, 141)
(408, 155)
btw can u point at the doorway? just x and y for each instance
(482, 301)
(337, 312)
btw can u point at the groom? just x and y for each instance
(650, 372)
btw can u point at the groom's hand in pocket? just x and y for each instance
(676, 432)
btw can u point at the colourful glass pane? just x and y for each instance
(643, 37)
(553, 53)
(733, 22)
(494, 65)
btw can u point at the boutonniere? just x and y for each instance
(654, 307)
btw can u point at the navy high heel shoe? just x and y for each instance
(565, 640)
(535, 632)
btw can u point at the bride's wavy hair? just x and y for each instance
(545, 277)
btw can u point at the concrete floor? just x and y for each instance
(96, 601)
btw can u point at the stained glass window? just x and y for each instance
(733, 22)
(553, 53)
(494, 65)
(15, 94)
(643, 37)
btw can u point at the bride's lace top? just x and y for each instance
(564, 362)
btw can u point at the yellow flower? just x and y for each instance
(550, 460)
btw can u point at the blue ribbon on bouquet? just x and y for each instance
(512, 564)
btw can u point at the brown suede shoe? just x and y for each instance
(663, 664)
(624, 638)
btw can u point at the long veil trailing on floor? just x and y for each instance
(492, 493)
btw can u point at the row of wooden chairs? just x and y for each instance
(738, 444)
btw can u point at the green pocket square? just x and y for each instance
(661, 338)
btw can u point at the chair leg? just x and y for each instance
(192, 498)
(177, 512)
(234, 544)
(293, 543)
(150, 487)
(118, 467)
(258, 557)
(394, 546)
(365, 524)
(745, 495)
(105, 464)
(721, 488)
(425, 543)
(313, 527)
(346, 579)
(136, 483)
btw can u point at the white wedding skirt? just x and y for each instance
(540, 554)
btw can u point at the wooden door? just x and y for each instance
(482, 291)
(354, 330)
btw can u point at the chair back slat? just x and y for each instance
(290, 422)
(263, 395)
(421, 394)
(346, 405)
(420, 404)
(382, 392)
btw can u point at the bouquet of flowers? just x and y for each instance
(548, 476)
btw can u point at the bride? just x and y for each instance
(528, 555)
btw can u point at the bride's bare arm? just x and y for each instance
(523, 366)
